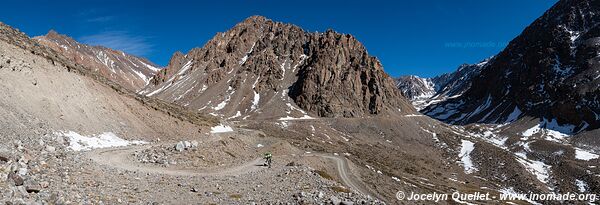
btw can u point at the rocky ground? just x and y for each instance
(48, 171)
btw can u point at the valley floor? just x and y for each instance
(126, 175)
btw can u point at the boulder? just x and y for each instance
(18, 181)
(180, 147)
(50, 149)
(3, 158)
(334, 200)
(22, 171)
(194, 144)
(32, 187)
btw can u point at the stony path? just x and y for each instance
(346, 176)
(120, 158)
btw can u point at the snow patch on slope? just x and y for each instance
(581, 185)
(79, 142)
(585, 155)
(514, 115)
(237, 114)
(510, 191)
(245, 58)
(551, 130)
(482, 107)
(537, 168)
(104, 59)
(465, 156)
(305, 117)
(155, 69)
(145, 78)
(221, 129)
(166, 85)
(222, 105)
(256, 98)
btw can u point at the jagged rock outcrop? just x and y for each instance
(340, 79)
(550, 71)
(164, 74)
(129, 71)
(271, 69)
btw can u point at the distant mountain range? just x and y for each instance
(550, 71)
(423, 92)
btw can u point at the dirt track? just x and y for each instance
(346, 176)
(120, 157)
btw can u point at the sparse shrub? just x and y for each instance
(324, 174)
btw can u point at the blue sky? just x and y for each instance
(425, 38)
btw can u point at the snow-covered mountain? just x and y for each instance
(266, 69)
(550, 71)
(423, 92)
(129, 71)
(416, 89)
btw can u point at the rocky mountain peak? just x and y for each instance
(326, 74)
(52, 34)
(415, 88)
(175, 62)
(256, 19)
(58, 38)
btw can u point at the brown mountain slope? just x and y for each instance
(45, 93)
(129, 71)
(266, 69)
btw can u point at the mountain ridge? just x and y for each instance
(284, 64)
(424, 92)
(547, 72)
(130, 71)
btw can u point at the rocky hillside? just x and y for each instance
(291, 73)
(44, 87)
(423, 92)
(456, 83)
(129, 71)
(550, 71)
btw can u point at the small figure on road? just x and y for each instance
(268, 159)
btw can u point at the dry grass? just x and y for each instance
(235, 196)
(324, 174)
